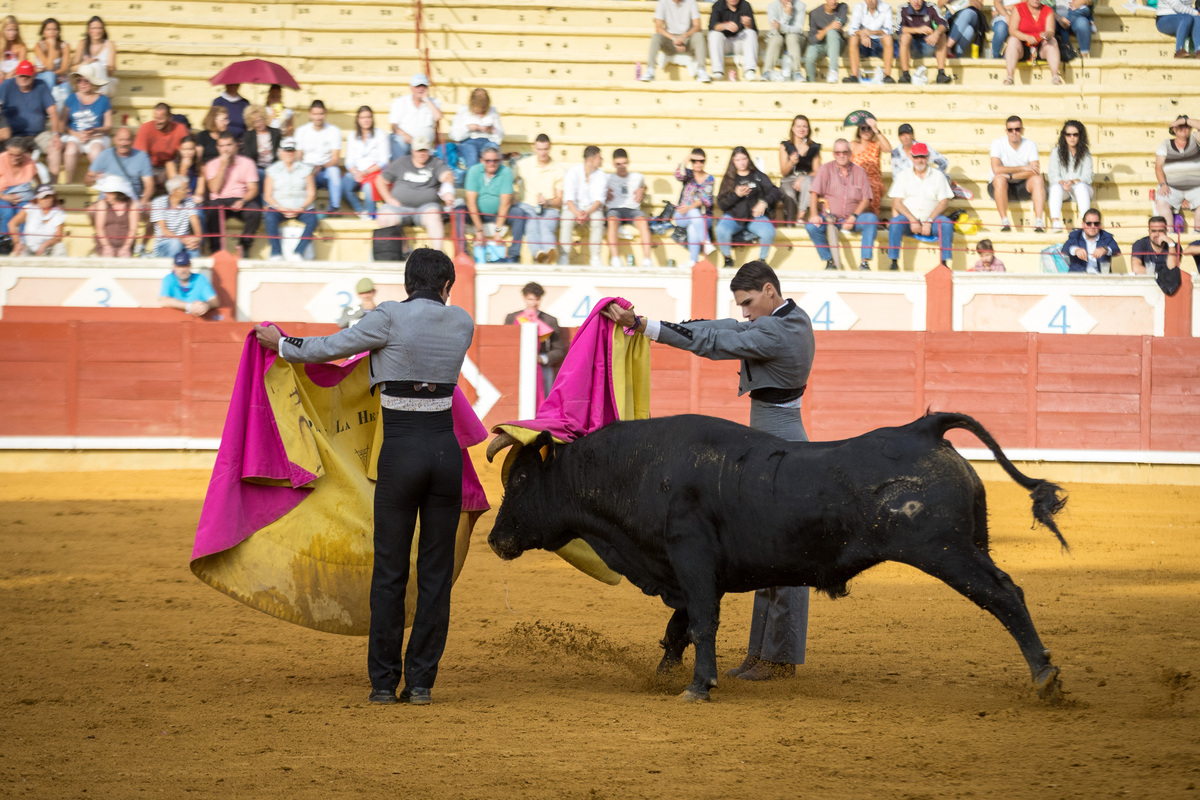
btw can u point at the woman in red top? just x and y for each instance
(1031, 28)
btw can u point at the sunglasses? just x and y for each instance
(841, 152)
(491, 161)
(1091, 223)
(1015, 130)
(698, 160)
(1070, 133)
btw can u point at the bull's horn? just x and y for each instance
(501, 441)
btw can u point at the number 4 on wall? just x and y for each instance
(1059, 320)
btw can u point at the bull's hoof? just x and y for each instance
(666, 667)
(690, 695)
(1049, 687)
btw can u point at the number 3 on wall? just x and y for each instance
(1059, 320)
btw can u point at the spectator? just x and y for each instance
(1031, 33)
(185, 290)
(1154, 252)
(799, 159)
(902, 161)
(51, 55)
(1017, 174)
(476, 127)
(368, 151)
(216, 122)
(159, 139)
(15, 50)
(868, 143)
(695, 203)
(97, 48)
(919, 198)
(1177, 168)
(923, 31)
(279, 116)
(88, 119)
(289, 193)
(1001, 11)
(677, 29)
(187, 165)
(18, 175)
(987, 258)
(177, 225)
(1181, 18)
(236, 106)
(37, 228)
(29, 110)
(585, 188)
(1090, 248)
(420, 184)
(232, 183)
(353, 312)
(414, 117)
(746, 197)
(552, 348)
(260, 142)
(965, 19)
(731, 27)
(539, 212)
(786, 20)
(826, 33)
(844, 188)
(870, 34)
(320, 147)
(489, 188)
(115, 216)
(1070, 172)
(626, 191)
(124, 162)
(1077, 20)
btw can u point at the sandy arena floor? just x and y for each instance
(124, 676)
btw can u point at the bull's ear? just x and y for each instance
(544, 439)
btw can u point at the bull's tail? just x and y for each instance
(1048, 498)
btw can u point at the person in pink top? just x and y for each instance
(987, 258)
(233, 191)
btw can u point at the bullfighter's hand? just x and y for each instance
(622, 316)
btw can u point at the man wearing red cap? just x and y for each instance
(919, 196)
(29, 110)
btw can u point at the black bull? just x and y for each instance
(690, 507)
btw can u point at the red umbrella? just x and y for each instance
(254, 71)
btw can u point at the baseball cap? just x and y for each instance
(905, 128)
(920, 149)
(420, 79)
(287, 143)
(45, 190)
(364, 285)
(26, 68)
(182, 259)
(421, 143)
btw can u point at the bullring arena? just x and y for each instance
(126, 676)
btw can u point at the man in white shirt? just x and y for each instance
(870, 32)
(677, 29)
(414, 116)
(320, 148)
(626, 190)
(1017, 174)
(919, 196)
(585, 189)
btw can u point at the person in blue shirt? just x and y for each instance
(185, 290)
(1090, 248)
(126, 163)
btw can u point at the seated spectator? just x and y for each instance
(731, 29)
(1070, 172)
(15, 50)
(987, 258)
(695, 203)
(289, 193)
(677, 29)
(870, 34)
(1179, 17)
(159, 139)
(902, 155)
(1077, 20)
(919, 199)
(88, 119)
(799, 159)
(476, 127)
(923, 32)
(786, 19)
(115, 217)
(232, 183)
(626, 191)
(279, 116)
(1001, 11)
(236, 106)
(29, 110)
(97, 48)
(320, 147)
(1017, 174)
(585, 188)
(37, 229)
(177, 225)
(420, 185)
(746, 198)
(18, 177)
(415, 116)
(1030, 34)
(1177, 168)
(368, 151)
(353, 312)
(540, 189)
(260, 142)
(865, 151)
(844, 188)
(826, 33)
(216, 122)
(51, 55)
(1154, 252)
(552, 348)
(1090, 248)
(185, 290)
(964, 18)
(489, 188)
(187, 165)
(124, 162)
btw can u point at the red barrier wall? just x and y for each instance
(150, 378)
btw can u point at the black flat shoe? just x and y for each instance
(416, 696)
(385, 697)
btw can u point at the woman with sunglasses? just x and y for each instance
(1070, 172)
(695, 203)
(868, 141)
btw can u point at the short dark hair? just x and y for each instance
(534, 289)
(1095, 211)
(1015, 118)
(753, 276)
(164, 107)
(591, 150)
(541, 137)
(227, 135)
(317, 104)
(427, 270)
(985, 244)
(620, 153)
(699, 151)
(23, 142)
(1153, 220)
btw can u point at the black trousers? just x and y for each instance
(251, 216)
(420, 476)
